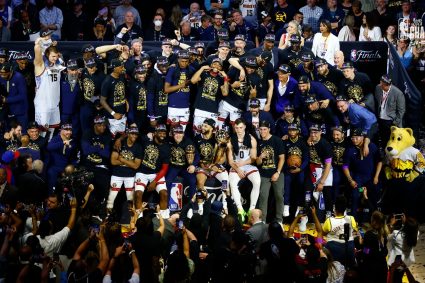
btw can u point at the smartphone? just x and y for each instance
(180, 224)
(304, 239)
(224, 185)
(95, 228)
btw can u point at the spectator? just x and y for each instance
(120, 13)
(194, 16)
(282, 13)
(6, 14)
(37, 193)
(214, 6)
(77, 24)
(157, 31)
(382, 14)
(265, 27)
(249, 11)
(404, 53)
(369, 31)
(373, 266)
(325, 44)
(176, 16)
(390, 35)
(293, 28)
(312, 14)
(358, 16)
(346, 6)
(129, 30)
(187, 33)
(338, 59)
(105, 14)
(405, 18)
(403, 239)
(22, 28)
(51, 18)
(335, 15)
(347, 31)
(240, 26)
(206, 30)
(4, 32)
(101, 31)
(32, 12)
(308, 34)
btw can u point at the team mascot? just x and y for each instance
(404, 167)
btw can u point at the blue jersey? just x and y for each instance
(176, 76)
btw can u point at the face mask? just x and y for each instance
(157, 23)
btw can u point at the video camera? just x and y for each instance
(75, 184)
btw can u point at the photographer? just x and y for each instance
(120, 252)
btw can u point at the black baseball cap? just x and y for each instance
(270, 37)
(341, 98)
(90, 63)
(386, 79)
(320, 62)
(161, 128)
(266, 55)
(6, 67)
(199, 45)
(303, 80)
(223, 34)
(254, 103)
(183, 54)
(224, 44)
(358, 132)
(99, 119)
(251, 61)
(87, 48)
(338, 128)
(44, 33)
(162, 61)
(310, 99)
(264, 14)
(166, 41)
(216, 60)
(289, 107)
(66, 126)
(286, 69)
(4, 52)
(116, 63)
(347, 65)
(315, 128)
(140, 70)
(133, 130)
(264, 123)
(293, 126)
(210, 122)
(72, 64)
(178, 129)
(295, 38)
(192, 50)
(240, 37)
(306, 57)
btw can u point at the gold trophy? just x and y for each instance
(190, 154)
(222, 137)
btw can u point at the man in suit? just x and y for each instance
(254, 115)
(390, 107)
(258, 234)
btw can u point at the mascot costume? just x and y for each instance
(404, 169)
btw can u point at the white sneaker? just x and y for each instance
(303, 224)
(285, 210)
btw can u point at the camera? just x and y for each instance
(180, 224)
(95, 228)
(126, 243)
(200, 195)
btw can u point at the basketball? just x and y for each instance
(293, 161)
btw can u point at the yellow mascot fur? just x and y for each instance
(402, 159)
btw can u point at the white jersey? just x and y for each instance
(48, 84)
(248, 9)
(243, 153)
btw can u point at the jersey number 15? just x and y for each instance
(54, 77)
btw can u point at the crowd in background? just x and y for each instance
(264, 134)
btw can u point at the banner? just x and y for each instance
(401, 79)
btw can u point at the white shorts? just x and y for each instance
(262, 103)
(225, 109)
(247, 169)
(142, 180)
(117, 182)
(199, 117)
(178, 115)
(49, 118)
(117, 126)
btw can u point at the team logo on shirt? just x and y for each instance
(314, 157)
(355, 92)
(210, 89)
(268, 161)
(295, 150)
(206, 151)
(162, 98)
(338, 153)
(141, 101)
(151, 156)
(34, 146)
(260, 73)
(331, 87)
(89, 88)
(280, 17)
(182, 79)
(127, 154)
(177, 156)
(119, 94)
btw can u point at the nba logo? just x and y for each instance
(353, 55)
(175, 202)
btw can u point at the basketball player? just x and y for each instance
(47, 95)
(242, 152)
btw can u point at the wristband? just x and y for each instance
(131, 252)
(113, 113)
